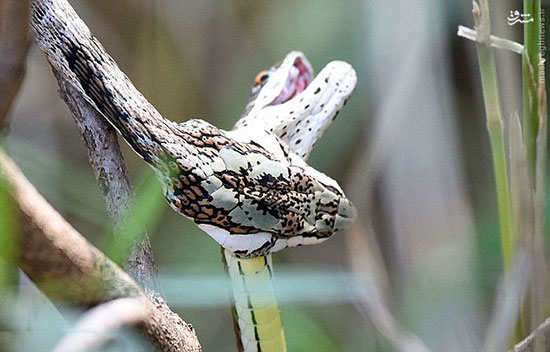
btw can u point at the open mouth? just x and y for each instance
(299, 77)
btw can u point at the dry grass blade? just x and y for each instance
(513, 288)
(520, 186)
(368, 274)
(99, 324)
(542, 332)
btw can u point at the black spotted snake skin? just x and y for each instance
(249, 188)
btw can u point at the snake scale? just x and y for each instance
(250, 188)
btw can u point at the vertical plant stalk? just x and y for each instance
(539, 284)
(537, 246)
(534, 118)
(530, 73)
(495, 126)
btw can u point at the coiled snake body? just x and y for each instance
(249, 188)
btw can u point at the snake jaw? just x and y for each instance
(286, 115)
(286, 80)
(300, 117)
(299, 76)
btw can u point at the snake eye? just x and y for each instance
(261, 77)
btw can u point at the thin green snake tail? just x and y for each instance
(257, 313)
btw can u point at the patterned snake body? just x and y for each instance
(245, 188)
(249, 188)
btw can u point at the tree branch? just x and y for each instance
(14, 43)
(69, 269)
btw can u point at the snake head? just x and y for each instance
(291, 208)
(257, 197)
(250, 188)
(290, 102)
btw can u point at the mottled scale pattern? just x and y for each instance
(227, 185)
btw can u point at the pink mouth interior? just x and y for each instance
(298, 80)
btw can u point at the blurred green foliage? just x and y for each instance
(303, 333)
(147, 208)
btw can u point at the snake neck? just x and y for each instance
(81, 60)
(256, 313)
(142, 131)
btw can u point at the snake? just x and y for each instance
(290, 103)
(250, 188)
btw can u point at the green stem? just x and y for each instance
(495, 126)
(503, 194)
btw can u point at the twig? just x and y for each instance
(14, 43)
(494, 41)
(97, 326)
(111, 176)
(69, 269)
(542, 332)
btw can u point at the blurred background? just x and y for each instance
(410, 149)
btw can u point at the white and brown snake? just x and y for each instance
(250, 188)
(288, 102)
